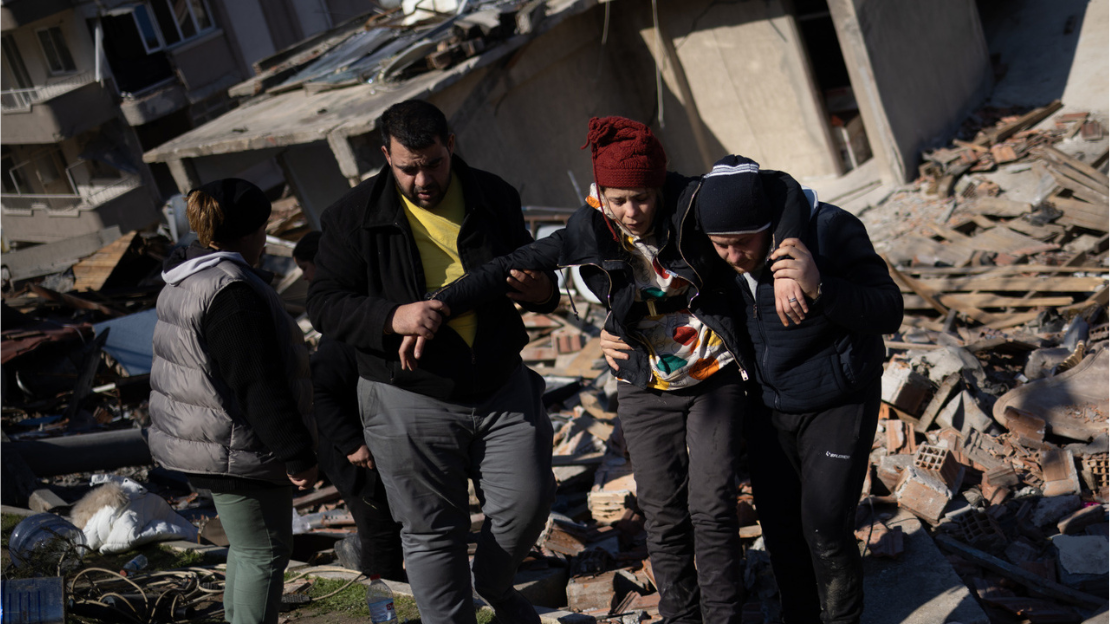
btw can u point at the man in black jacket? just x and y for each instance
(471, 409)
(819, 360)
(342, 451)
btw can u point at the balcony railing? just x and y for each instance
(89, 192)
(21, 100)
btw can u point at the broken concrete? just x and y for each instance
(1051, 510)
(1082, 560)
(927, 591)
(923, 493)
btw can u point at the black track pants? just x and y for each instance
(807, 473)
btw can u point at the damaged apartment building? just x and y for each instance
(813, 87)
(89, 85)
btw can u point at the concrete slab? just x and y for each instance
(856, 191)
(1086, 89)
(1037, 74)
(1081, 558)
(918, 588)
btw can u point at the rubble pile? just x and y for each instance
(390, 47)
(994, 421)
(995, 401)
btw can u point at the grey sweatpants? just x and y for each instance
(425, 450)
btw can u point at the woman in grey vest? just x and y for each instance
(231, 391)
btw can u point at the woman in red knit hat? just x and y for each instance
(682, 394)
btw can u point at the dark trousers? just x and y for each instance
(807, 473)
(682, 445)
(362, 490)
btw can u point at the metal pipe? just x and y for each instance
(87, 452)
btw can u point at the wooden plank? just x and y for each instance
(910, 346)
(922, 323)
(1013, 572)
(1004, 131)
(925, 293)
(1000, 207)
(323, 495)
(57, 256)
(1081, 191)
(1003, 270)
(1019, 284)
(1039, 232)
(948, 233)
(1002, 239)
(928, 251)
(986, 300)
(1079, 178)
(1013, 320)
(1055, 155)
(929, 295)
(940, 398)
(582, 364)
(1099, 298)
(1082, 214)
(92, 272)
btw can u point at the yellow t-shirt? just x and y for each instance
(437, 239)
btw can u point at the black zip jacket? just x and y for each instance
(589, 242)
(838, 348)
(368, 265)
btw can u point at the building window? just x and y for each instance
(147, 33)
(179, 20)
(58, 58)
(13, 181)
(14, 60)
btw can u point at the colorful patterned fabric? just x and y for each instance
(682, 350)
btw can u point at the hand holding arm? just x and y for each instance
(792, 260)
(614, 349)
(420, 318)
(529, 286)
(361, 458)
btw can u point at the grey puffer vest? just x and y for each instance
(196, 426)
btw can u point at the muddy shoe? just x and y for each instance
(514, 609)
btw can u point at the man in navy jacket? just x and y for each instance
(819, 357)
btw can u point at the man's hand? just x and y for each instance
(614, 349)
(529, 286)
(412, 349)
(304, 480)
(799, 266)
(361, 458)
(790, 301)
(421, 318)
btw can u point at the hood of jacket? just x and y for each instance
(194, 258)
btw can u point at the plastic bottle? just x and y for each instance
(138, 563)
(47, 542)
(379, 599)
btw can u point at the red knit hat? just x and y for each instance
(625, 154)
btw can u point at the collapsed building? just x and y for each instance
(814, 88)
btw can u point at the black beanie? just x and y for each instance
(244, 205)
(731, 198)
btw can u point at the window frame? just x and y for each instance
(153, 25)
(54, 42)
(182, 39)
(18, 69)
